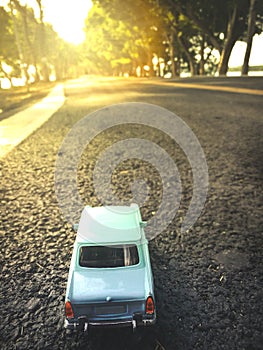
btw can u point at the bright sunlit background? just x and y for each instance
(67, 18)
(256, 56)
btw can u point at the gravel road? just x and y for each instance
(208, 280)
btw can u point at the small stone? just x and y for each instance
(33, 304)
(172, 262)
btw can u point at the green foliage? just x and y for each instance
(27, 41)
(8, 51)
(185, 31)
(120, 40)
(122, 35)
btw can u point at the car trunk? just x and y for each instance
(106, 292)
(95, 285)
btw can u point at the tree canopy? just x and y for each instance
(31, 48)
(135, 37)
(198, 34)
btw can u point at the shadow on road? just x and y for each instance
(114, 339)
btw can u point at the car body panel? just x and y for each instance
(110, 295)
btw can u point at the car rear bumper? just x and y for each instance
(83, 323)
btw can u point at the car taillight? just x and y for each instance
(69, 310)
(149, 307)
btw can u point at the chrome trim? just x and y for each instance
(149, 321)
(69, 325)
(110, 323)
(131, 322)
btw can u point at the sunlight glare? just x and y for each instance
(238, 53)
(67, 18)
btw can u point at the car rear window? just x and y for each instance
(108, 256)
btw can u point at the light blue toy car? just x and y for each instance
(110, 280)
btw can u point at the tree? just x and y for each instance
(192, 29)
(105, 40)
(250, 34)
(189, 28)
(234, 31)
(117, 42)
(24, 22)
(26, 42)
(222, 23)
(8, 52)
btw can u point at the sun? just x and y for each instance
(67, 18)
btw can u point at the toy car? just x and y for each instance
(110, 280)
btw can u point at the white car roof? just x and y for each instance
(110, 224)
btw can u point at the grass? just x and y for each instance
(17, 98)
(251, 68)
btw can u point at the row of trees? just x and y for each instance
(196, 34)
(134, 36)
(31, 48)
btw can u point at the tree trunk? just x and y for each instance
(183, 45)
(29, 45)
(229, 43)
(191, 61)
(149, 63)
(32, 59)
(45, 69)
(6, 75)
(224, 58)
(171, 52)
(43, 47)
(23, 66)
(250, 34)
(202, 59)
